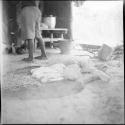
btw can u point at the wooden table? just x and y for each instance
(53, 31)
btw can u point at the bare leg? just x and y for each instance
(30, 50)
(42, 47)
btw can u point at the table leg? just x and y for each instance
(51, 41)
(62, 35)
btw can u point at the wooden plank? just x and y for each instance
(54, 29)
(52, 39)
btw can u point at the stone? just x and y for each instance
(105, 52)
(103, 76)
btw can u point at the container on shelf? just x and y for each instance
(50, 21)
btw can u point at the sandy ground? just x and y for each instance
(59, 102)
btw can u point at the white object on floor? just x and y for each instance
(105, 52)
(72, 72)
(86, 65)
(103, 76)
(49, 74)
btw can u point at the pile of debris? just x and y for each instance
(108, 53)
(118, 52)
(81, 71)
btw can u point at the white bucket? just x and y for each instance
(50, 21)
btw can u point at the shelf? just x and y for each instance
(52, 39)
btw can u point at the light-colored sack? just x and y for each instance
(105, 52)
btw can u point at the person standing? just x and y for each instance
(29, 21)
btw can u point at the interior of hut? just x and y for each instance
(81, 78)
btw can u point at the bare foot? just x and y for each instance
(28, 59)
(41, 57)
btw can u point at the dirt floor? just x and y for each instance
(26, 100)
